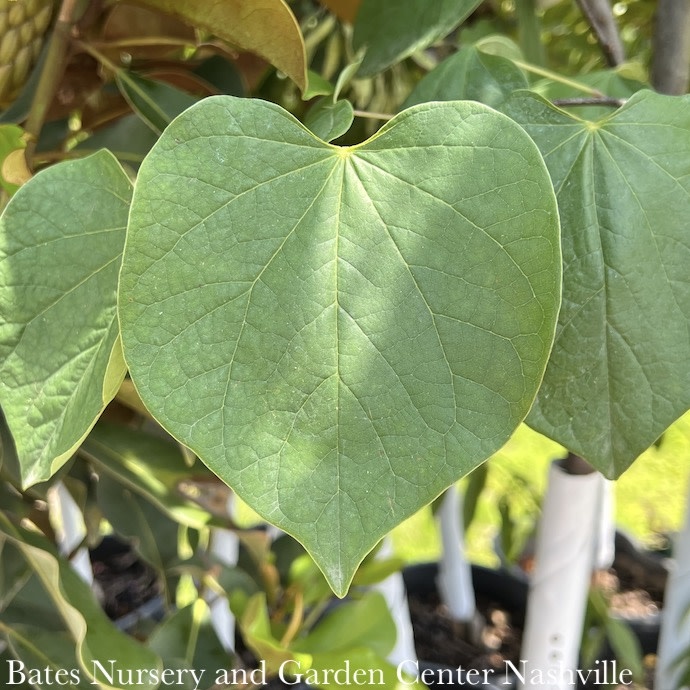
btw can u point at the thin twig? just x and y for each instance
(373, 116)
(53, 70)
(554, 76)
(600, 17)
(602, 100)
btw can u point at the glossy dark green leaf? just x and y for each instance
(469, 74)
(391, 30)
(340, 333)
(61, 239)
(618, 375)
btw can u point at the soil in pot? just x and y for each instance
(439, 639)
(634, 586)
(127, 586)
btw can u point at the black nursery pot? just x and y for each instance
(510, 593)
(494, 588)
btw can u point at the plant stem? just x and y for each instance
(575, 465)
(314, 614)
(373, 116)
(600, 17)
(53, 70)
(553, 76)
(197, 618)
(295, 621)
(602, 100)
(98, 56)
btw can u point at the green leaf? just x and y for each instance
(264, 27)
(340, 333)
(61, 239)
(350, 669)
(11, 139)
(476, 484)
(622, 83)
(9, 462)
(156, 103)
(347, 74)
(498, 45)
(128, 139)
(469, 74)
(95, 637)
(257, 634)
(363, 623)
(6, 658)
(188, 636)
(328, 120)
(622, 639)
(29, 604)
(151, 467)
(618, 375)
(222, 74)
(390, 31)
(626, 647)
(317, 86)
(154, 534)
(47, 656)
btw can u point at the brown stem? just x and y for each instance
(53, 69)
(574, 464)
(600, 17)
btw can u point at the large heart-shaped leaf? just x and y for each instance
(619, 374)
(340, 333)
(61, 240)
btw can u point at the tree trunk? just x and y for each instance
(671, 60)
